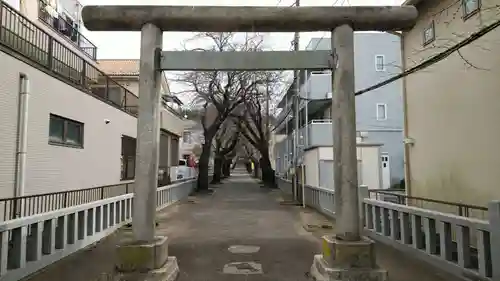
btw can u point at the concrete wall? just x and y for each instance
(391, 144)
(55, 168)
(311, 167)
(454, 106)
(318, 160)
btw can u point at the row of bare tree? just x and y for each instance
(235, 122)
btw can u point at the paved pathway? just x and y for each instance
(241, 228)
(240, 213)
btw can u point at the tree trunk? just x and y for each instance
(268, 174)
(256, 169)
(218, 162)
(249, 167)
(202, 184)
(226, 170)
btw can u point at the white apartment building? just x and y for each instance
(63, 119)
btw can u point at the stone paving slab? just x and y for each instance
(205, 231)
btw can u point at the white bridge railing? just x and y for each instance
(466, 247)
(31, 243)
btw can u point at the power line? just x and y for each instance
(317, 44)
(283, 120)
(435, 59)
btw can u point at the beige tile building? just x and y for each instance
(452, 108)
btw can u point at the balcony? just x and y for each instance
(318, 86)
(316, 133)
(67, 27)
(37, 47)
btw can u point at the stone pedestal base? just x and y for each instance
(145, 261)
(344, 260)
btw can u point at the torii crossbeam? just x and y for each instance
(357, 252)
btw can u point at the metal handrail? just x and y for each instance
(74, 36)
(22, 36)
(22, 206)
(462, 208)
(320, 121)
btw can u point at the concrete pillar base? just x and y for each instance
(145, 261)
(345, 260)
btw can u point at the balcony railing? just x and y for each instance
(65, 27)
(25, 38)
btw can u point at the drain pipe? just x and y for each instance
(22, 137)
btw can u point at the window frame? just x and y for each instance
(64, 141)
(433, 27)
(385, 112)
(470, 14)
(383, 63)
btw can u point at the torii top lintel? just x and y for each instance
(248, 19)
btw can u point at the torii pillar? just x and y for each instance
(346, 255)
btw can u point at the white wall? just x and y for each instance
(312, 169)
(369, 169)
(172, 123)
(370, 166)
(54, 168)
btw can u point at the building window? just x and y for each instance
(63, 131)
(470, 7)
(381, 111)
(429, 34)
(379, 63)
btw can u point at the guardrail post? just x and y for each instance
(1, 15)
(66, 200)
(362, 193)
(50, 53)
(494, 219)
(84, 74)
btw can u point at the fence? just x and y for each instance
(23, 206)
(34, 242)
(69, 30)
(466, 247)
(459, 209)
(459, 245)
(22, 36)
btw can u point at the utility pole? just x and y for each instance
(296, 78)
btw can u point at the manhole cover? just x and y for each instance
(243, 249)
(243, 268)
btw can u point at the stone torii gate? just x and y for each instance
(347, 250)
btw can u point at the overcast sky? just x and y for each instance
(125, 45)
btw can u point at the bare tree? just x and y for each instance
(251, 155)
(225, 142)
(255, 129)
(220, 92)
